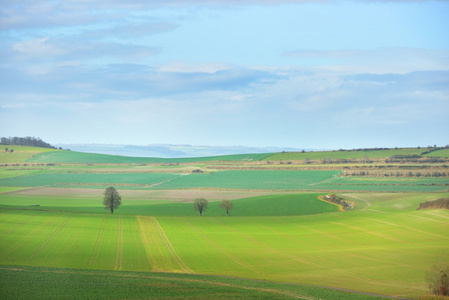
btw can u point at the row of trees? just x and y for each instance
(25, 141)
(200, 205)
(396, 174)
(112, 200)
(442, 203)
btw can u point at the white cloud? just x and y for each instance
(34, 48)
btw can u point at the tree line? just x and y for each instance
(112, 200)
(25, 141)
(442, 203)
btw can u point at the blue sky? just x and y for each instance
(304, 74)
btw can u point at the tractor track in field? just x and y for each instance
(264, 246)
(368, 204)
(96, 250)
(407, 228)
(119, 252)
(16, 227)
(210, 242)
(369, 232)
(47, 241)
(169, 246)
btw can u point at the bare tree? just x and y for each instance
(200, 205)
(111, 199)
(227, 204)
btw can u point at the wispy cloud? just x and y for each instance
(381, 60)
(224, 72)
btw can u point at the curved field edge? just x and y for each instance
(25, 282)
(267, 205)
(346, 154)
(82, 157)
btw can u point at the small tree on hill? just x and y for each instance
(438, 279)
(200, 205)
(227, 204)
(111, 199)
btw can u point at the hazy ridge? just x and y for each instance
(170, 151)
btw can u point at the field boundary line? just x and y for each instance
(47, 241)
(368, 204)
(96, 250)
(169, 246)
(340, 208)
(209, 241)
(161, 182)
(118, 253)
(334, 177)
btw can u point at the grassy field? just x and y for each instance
(268, 205)
(58, 283)
(80, 157)
(349, 154)
(56, 235)
(439, 153)
(385, 248)
(231, 180)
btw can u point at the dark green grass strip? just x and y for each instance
(270, 205)
(19, 282)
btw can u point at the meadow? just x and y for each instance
(280, 242)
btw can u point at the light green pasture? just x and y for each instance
(318, 155)
(381, 251)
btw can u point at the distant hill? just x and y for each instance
(171, 151)
(81, 157)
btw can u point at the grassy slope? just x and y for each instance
(439, 153)
(81, 157)
(343, 154)
(72, 283)
(385, 248)
(21, 153)
(272, 205)
(46, 155)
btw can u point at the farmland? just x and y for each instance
(53, 227)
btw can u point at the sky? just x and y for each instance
(285, 73)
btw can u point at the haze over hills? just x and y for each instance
(170, 151)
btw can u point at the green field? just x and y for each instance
(269, 205)
(348, 154)
(80, 157)
(439, 153)
(381, 249)
(75, 284)
(231, 180)
(56, 235)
